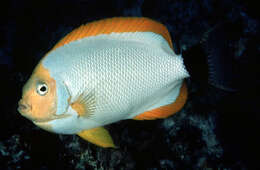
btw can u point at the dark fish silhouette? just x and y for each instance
(212, 60)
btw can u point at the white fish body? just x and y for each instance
(125, 74)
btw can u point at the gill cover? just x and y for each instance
(62, 91)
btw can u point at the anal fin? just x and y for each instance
(98, 136)
(167, 110)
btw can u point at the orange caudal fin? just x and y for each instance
(168, 110)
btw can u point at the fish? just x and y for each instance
(103, 72)
(215, 63)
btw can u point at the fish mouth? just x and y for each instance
(23, 107)
(21, 110)
(26, 110)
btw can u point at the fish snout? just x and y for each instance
(23, 107)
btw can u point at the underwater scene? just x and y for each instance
(129, 85)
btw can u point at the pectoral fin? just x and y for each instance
(98, 136)
(85, 104)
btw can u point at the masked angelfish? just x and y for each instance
(104, 72)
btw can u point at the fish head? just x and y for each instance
(39, 100)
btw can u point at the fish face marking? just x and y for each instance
(39, 101)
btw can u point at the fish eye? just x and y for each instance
(42, 89)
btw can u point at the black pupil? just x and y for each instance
(43, 88)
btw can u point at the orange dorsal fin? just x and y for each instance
(116, 25)
(168, 110)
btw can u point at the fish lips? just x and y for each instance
(23, 107)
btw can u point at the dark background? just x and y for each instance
(217, 129)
